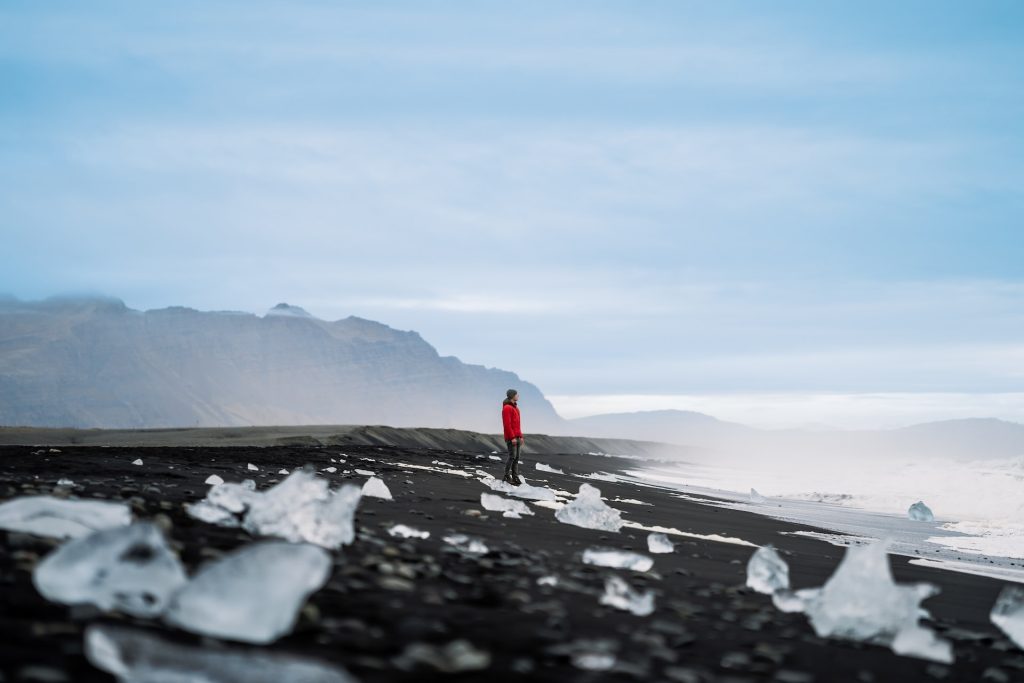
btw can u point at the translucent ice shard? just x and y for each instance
(659, 543)
(376, 488)
(467, 544)
(919, 512)
(524, 490)
(129, 568)
(767, 572)
(137, 656)
(590, 512)
(1008, 613)
(756, 497)
(509, 508)
(403, 531)
(61, 518)
(547, 468)
(252, 468)
(253, 594)
(214, 479)
(619, 594)
(619, 559)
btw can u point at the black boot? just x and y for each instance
(515, 473)
(508, 474)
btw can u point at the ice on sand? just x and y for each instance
(860, 601)
(659, 543)
(129, 568)
(252, 468)
(590, 512)
(467, 544)
(619, 594)
(919, 512)
(403, 531)
(214, 480)
(547, 468)
(137, 656)
(524, 490)
(376, 488)
(1008, 613)
(767, 572)
(509, 508)
(253, 594)
(619, 559)
(756, 497)
(137, 461)
(61, 518)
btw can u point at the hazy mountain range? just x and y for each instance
(94, 362)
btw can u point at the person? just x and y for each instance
(513, 436)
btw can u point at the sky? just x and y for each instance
(785, 213)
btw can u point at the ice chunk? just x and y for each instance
(495, 457)
(253, 594)
(330, 470)
(376, 488)
(214, 480)
(252, 468)
(860, 601)
(767, 572)
(549, 580)
(65, 482)
(510, 508)
(919, 512)
(619, 594)
(619, 559)
(129, 568)
(137, 461)
(467, 544)
(403, 531)
(602, 476)
(1008, 613)
(365, 473)
(547, 468)
(61, 518)
(524, 490)
(659, 543)
(590, 512)
(282, 471)
(756, 497)
(137, 656)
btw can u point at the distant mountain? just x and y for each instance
(667, 426)
(94, 362)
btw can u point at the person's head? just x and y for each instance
(512, 395)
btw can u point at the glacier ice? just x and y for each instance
(137, 461)
(252, 594)
(61, 518)
(659, 543)
(376, 488)
(756, 497)
(403, 531)
(619, 559)
(138, 656)
(589, 511)
(64, 481)
(549, 580)
(128, 568)
(547, 468)
(919, 512)
(509, 508)
(214, 480)
(1008, 613)
(524, 490)
(767, 572)
(861, 601)
(467, 544)
(619, 594)
(252, 468)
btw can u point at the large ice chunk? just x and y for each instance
(919, 512)
(860, 601)
(524, 490)
(659, 543)
(136, 656)
(619, 559)
(376, 488)
(61, 518)
(620, 595)
(1008, 613)
(509, 508)
(127, 568)
(590, 512)
(767, 572)
(253, 594)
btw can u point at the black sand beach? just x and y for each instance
(388, 594)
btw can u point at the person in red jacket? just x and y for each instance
(513, 436)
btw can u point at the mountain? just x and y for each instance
(94, 362)
(667, 426)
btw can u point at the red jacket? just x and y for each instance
(510, 420)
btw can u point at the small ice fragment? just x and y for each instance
(213, 480)
(551, 580)
(253, 594)
(403, 531)
(130, 569)
(455, 657)
(1008, 613)
(60, 518)
(495, 457)
(756, 497)
(441, 462)
(602, 476)
(376, 488)
(282, 471)
(767, 572)
(138, 656)
(547, 468)
(618, 559)
(330, 470)
(590, 512)
(467, 544)
(65, 482)
(919, 512)
(619, 594)
(524, 490)
(137, 461)
(365, 473)
(510, 508)
(659, 543)
(593, 661)
(252, 468)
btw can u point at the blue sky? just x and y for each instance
(630, 204)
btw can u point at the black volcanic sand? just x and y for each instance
(387, 594)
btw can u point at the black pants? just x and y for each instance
(514, 446)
